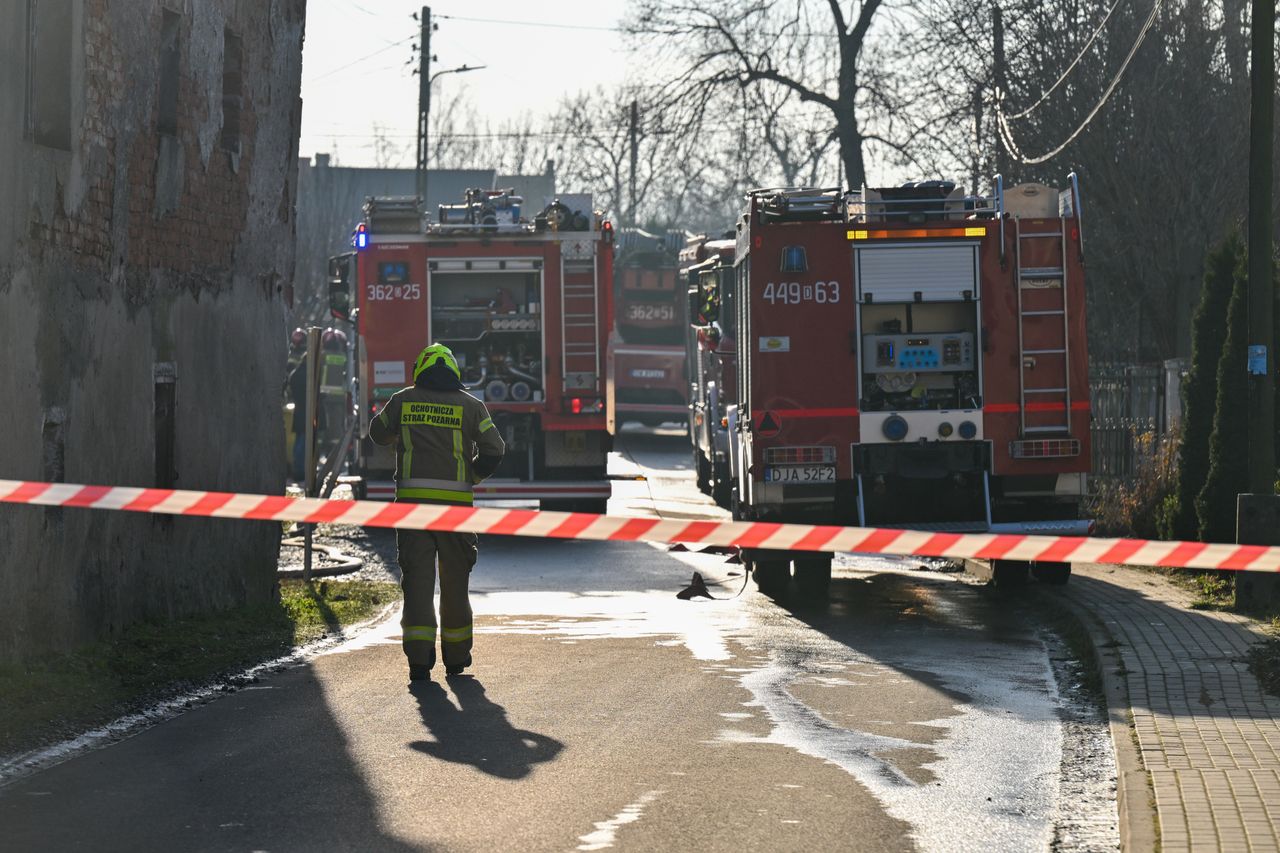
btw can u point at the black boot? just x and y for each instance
(457, 668)
(419, 672)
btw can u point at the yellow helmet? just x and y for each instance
(432, 354)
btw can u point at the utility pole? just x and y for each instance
(424, 100)
(976, 165)
(998, 74)
(1258, 511)
(635, 155)
(1262, 360)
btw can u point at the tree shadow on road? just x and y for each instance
(476, 731)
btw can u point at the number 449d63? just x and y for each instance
(793, 292)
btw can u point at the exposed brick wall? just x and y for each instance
(135, 249)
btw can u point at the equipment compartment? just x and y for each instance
(492, 321)
(919, 356)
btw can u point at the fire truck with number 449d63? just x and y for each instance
(910, 357)
(526, 308)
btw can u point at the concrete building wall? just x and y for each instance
(146, 252)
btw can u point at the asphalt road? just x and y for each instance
(910, 711)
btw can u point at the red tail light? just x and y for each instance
(575, 405)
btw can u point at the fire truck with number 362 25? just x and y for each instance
(905, 357)
(526, 308)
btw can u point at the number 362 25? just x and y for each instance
(383, 292)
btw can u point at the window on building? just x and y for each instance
(49, 72)
(232, 87)
(170, 56)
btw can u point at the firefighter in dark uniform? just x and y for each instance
(445, 444)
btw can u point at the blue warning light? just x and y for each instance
(794, 259)
(361, 237)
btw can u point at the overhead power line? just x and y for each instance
(544, 24)
(1044, 97)
(364, 58)
(1002, 120)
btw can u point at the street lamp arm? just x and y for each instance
(459, 70)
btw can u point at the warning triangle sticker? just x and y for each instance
(770, 424)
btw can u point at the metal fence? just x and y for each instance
(1133, 406)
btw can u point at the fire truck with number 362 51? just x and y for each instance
(526, 308)
(905, 357)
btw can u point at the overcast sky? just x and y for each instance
(354, 71)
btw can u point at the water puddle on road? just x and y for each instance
(944, 710)
(606, 831)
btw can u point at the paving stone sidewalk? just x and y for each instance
(1206, 731)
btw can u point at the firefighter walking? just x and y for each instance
(445, 444)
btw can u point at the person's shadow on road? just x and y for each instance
(478, 733)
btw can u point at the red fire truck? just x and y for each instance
(646, 353)
(911, 357)
(525, 307)
(707, 268)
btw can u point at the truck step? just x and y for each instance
(1058, 312)
(1044, 390)
(1043, 429)
(1043, 352)
(1040, 273)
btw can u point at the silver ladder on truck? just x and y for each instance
(1044, 375)
(580, 325)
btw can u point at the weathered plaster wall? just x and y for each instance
(136, 248)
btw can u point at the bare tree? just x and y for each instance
(1158, 163)
(387, 153)
(819, 55)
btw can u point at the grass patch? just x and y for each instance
(1264, 663)
(1212, 590)
(55, 697)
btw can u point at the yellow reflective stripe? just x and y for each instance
(383, 417)
(434, 495)
(407, 442)
(457, 455)
(455, 635)
(420, 632)
(486, 424)
(430, 483)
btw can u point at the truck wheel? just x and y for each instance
(771, 576)
(1055, 574)
(1009, 574)
(598, 506)
(704, 472)
(721, 489)
(813, 575)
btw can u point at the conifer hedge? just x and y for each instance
(1208, 336)
(1228, 473)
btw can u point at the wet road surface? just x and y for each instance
(909, 711)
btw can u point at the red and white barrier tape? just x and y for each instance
(577, 525)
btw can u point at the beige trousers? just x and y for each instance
(418, 553)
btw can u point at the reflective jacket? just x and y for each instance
(438, 435)
(333, 375)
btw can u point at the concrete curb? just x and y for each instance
(1135, 798)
